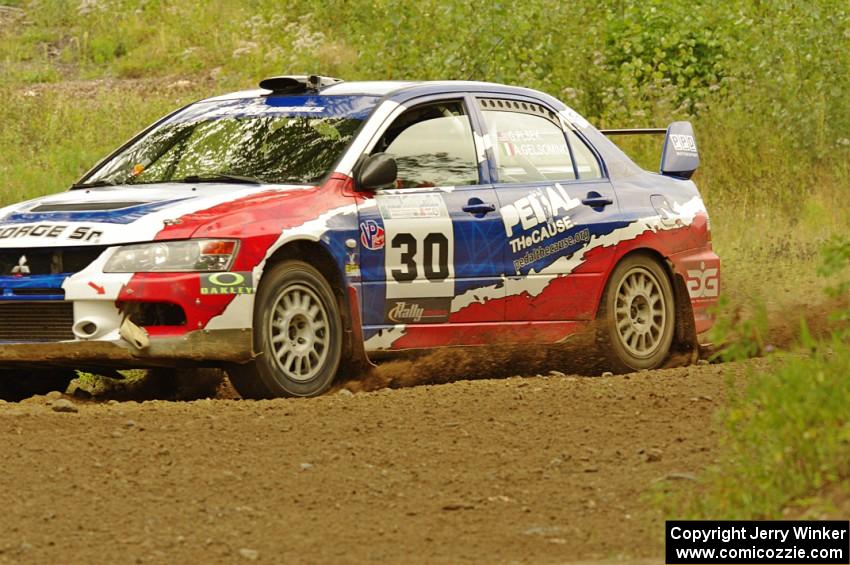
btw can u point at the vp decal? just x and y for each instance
(227, 283)
(371, 235)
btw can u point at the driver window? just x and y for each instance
(528, 145)
(432, 146)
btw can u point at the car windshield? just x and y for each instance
(268, 140)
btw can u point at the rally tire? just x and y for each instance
(298, 334)
(637, 315)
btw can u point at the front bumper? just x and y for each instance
(202, 347)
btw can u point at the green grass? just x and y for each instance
(787, 438)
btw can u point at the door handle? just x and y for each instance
(597, 201)
(480, 208)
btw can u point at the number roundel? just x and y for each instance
(435, 245)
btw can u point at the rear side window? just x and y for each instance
(432, 146)
(586, 163)
(528, 145)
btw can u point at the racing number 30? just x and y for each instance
(432, 243)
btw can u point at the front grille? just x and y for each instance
(50, 260)
(36, 321)
(37, 292)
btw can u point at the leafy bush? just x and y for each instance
(787, 431)
(787, 436)
(665, 51)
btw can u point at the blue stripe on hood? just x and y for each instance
(121, 216)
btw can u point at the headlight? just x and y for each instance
(194, 255)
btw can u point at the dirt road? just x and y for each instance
(536, 470)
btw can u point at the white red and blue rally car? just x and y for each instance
(289, 233)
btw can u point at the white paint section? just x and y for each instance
(87, 284)
(103, 314)
(477, 296)
(238, 315)
(534, 285)
(141, 230)
(84, 289)
(385, 338)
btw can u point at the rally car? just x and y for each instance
(289, 233)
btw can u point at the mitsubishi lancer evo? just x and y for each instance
(288, 234)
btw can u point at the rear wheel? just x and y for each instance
(637, 315)
(298, 333)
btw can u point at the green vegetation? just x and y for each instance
(765, 84)
(787, 438)
(787, 431)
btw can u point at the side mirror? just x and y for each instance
(680, 157)
(377, 171)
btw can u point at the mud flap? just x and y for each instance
(134, 335)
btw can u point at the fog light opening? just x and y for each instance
(85, 329)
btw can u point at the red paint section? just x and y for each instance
(447, 335)
(256, 220)
(575, 296)
(700, 268)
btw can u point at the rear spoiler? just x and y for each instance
(679, 157)
(634, 131)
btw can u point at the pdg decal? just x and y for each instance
(371, 235)
(227, 283)
(702, 282)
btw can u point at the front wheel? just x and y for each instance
(637, 315)
(297, 332)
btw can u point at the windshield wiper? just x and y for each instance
(222, 177)
(92, 184)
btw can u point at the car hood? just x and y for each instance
(115, 214)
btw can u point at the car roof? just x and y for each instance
(398, 89)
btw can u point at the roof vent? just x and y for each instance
(295, 84)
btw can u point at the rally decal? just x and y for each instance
(547, 292)
(416, 311)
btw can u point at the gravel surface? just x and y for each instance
(532, 470)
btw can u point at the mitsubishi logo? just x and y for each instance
(22, 269)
